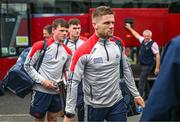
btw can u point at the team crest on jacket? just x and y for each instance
(48, 56)
(63, 58)
(98, 60)
(117, 56)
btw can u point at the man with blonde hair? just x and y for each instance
(97, 61)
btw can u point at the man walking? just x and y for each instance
(74, 42)
(46, 94)
(97, 62)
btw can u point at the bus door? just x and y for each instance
(15, 32)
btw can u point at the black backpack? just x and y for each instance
(17, 80)
(127, 97)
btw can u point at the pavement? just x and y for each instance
(15, 109)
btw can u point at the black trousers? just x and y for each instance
(143, 85)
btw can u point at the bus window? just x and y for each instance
(97, 3)
(13, 29)
(60, 6)
(139, 3)
(174, 7)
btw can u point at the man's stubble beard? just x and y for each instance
(105, 35)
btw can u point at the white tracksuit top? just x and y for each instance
(57, 57)
(97, 61)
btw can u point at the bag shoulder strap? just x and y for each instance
(118, 42)
(42, 53)
(66, 41)
(64, 72)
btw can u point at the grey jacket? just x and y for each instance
(98, 61)
(57, 57)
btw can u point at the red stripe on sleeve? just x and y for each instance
(83, 38)
(122, 42)
(36, 47)
(39, 45)
(85, 48)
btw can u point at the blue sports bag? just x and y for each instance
(17, 80)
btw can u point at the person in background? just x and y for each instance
(164, 100)
(97, 63)
(74, 42)
(47, 31)
(46, 93)
(149, 50)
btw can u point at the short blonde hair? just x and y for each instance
(147, 32)
(101, 11)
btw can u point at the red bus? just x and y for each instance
(22, 21)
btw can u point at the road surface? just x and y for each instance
(15, 109)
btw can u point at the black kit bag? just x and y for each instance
(2, 87)
(127, 97)
(17, 80)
